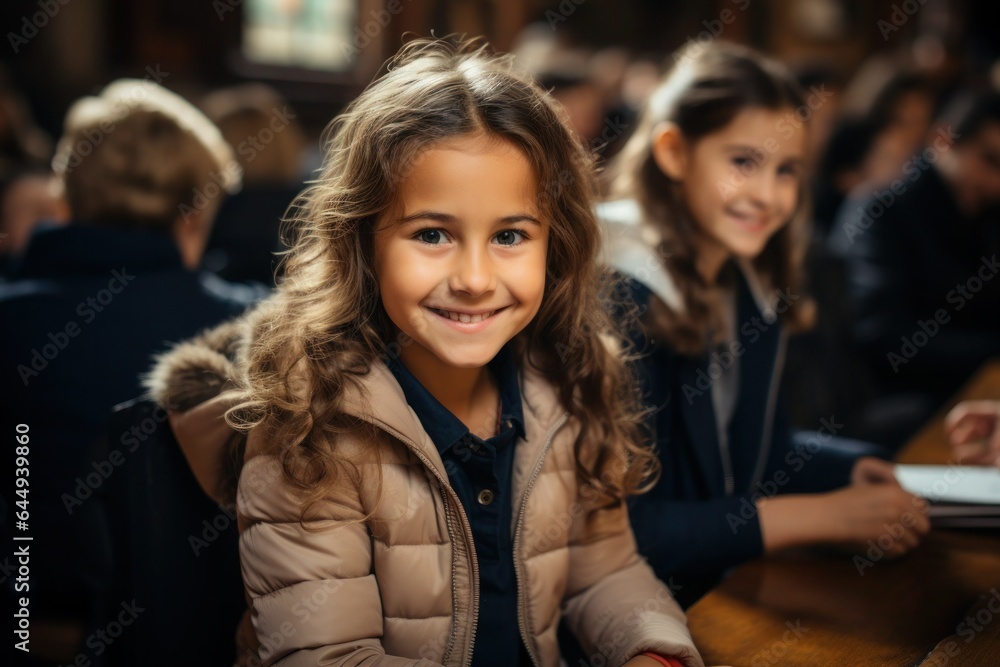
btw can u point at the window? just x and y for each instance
(312, 34)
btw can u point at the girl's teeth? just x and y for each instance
(463, 317)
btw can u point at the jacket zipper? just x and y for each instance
(522, 605)
(467, 529)
(772, 399)
(727, 463)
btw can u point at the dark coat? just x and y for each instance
(84, 312)
(923, 285)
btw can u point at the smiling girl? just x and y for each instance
(440, 438)
(708, 230)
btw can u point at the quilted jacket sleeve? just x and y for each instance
(315, 599)
(615, 605)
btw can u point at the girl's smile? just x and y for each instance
(468, 321)
(749, 221)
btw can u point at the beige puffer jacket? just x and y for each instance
(402, 587)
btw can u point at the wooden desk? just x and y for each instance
(938, 606)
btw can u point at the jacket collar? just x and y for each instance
(445, 429)
(378, 398)
(630, 244)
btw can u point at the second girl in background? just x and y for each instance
(708, 229)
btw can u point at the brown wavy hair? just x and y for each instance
(325, 327)
(707, 87)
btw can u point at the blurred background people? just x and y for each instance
(26, 199)
(23, 145)
(88, 305)
(264, 132)
(921, 256)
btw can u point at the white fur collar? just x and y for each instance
(630, 246)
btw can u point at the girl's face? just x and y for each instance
(461, 257)
(741, 183)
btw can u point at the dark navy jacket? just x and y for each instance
(85, 310)
(700, 520)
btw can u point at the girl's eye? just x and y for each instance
(789, 170)
(430, 236)
(741, 161)
(510, 237)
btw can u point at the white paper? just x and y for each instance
(952, 483)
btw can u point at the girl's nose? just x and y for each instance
(766, 188)
(473, 272)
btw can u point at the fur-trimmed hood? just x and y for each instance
(200, 368)
(630, 247)
(195, 382)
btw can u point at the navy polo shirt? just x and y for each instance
(480, 471)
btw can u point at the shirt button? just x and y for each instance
(485, 497)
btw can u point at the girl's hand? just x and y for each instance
(973, 433)
(870, 512)
(850, 516)
(872, 470)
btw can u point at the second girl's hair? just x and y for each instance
(327, 325)
(704, 91)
